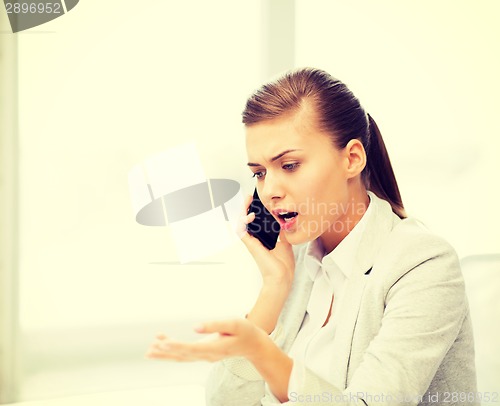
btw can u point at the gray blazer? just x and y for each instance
(404, 333)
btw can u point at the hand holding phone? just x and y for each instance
(264, 227)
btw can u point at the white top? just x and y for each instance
(395, 334)
(314, 344)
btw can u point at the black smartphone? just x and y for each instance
(265, 227)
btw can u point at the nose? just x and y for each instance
(271, 189)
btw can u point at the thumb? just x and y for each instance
(224, 327)
(283, 237)
(283, 245)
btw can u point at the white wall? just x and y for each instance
(112, 82)
(427, 71)
(9, 360)
(101, 89)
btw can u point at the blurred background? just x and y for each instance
(84, 288)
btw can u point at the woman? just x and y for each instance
(368, 306)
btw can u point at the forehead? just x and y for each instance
(294, 131)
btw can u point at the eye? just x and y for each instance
(258, 174)
(291, 167)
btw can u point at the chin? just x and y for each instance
(297, 238)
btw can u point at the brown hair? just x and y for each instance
(338, 113)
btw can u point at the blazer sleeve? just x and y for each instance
(236, 382)
(424, 308)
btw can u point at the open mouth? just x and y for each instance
(287, 216)
(287, 219)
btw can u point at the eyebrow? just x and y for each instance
(275, 157)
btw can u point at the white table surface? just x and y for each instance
(179, 395)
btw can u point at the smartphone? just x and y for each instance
(265, 227)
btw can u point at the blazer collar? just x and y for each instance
(378, 227)
(356, 252)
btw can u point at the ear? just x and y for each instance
(355, 155)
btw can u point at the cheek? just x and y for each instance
(323, 192)
(325, 207)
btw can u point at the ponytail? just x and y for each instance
(379, 176)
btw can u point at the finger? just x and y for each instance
(246, 203)
(179, 351)
(161, 338)
(162, 355)
(159, 345)
(208, 337)
(244, 218)
(252, 243)
(246, 206)
(164, 350)
(283, 247)
(249, 218)
(154, 348)
(241, 227)
(282, 238)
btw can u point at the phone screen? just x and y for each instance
(265, 227)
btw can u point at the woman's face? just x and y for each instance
(302, 179)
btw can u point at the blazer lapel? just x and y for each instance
(346, 314)
(377, 230)
(295, 308)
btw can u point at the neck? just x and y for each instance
(352, 213)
